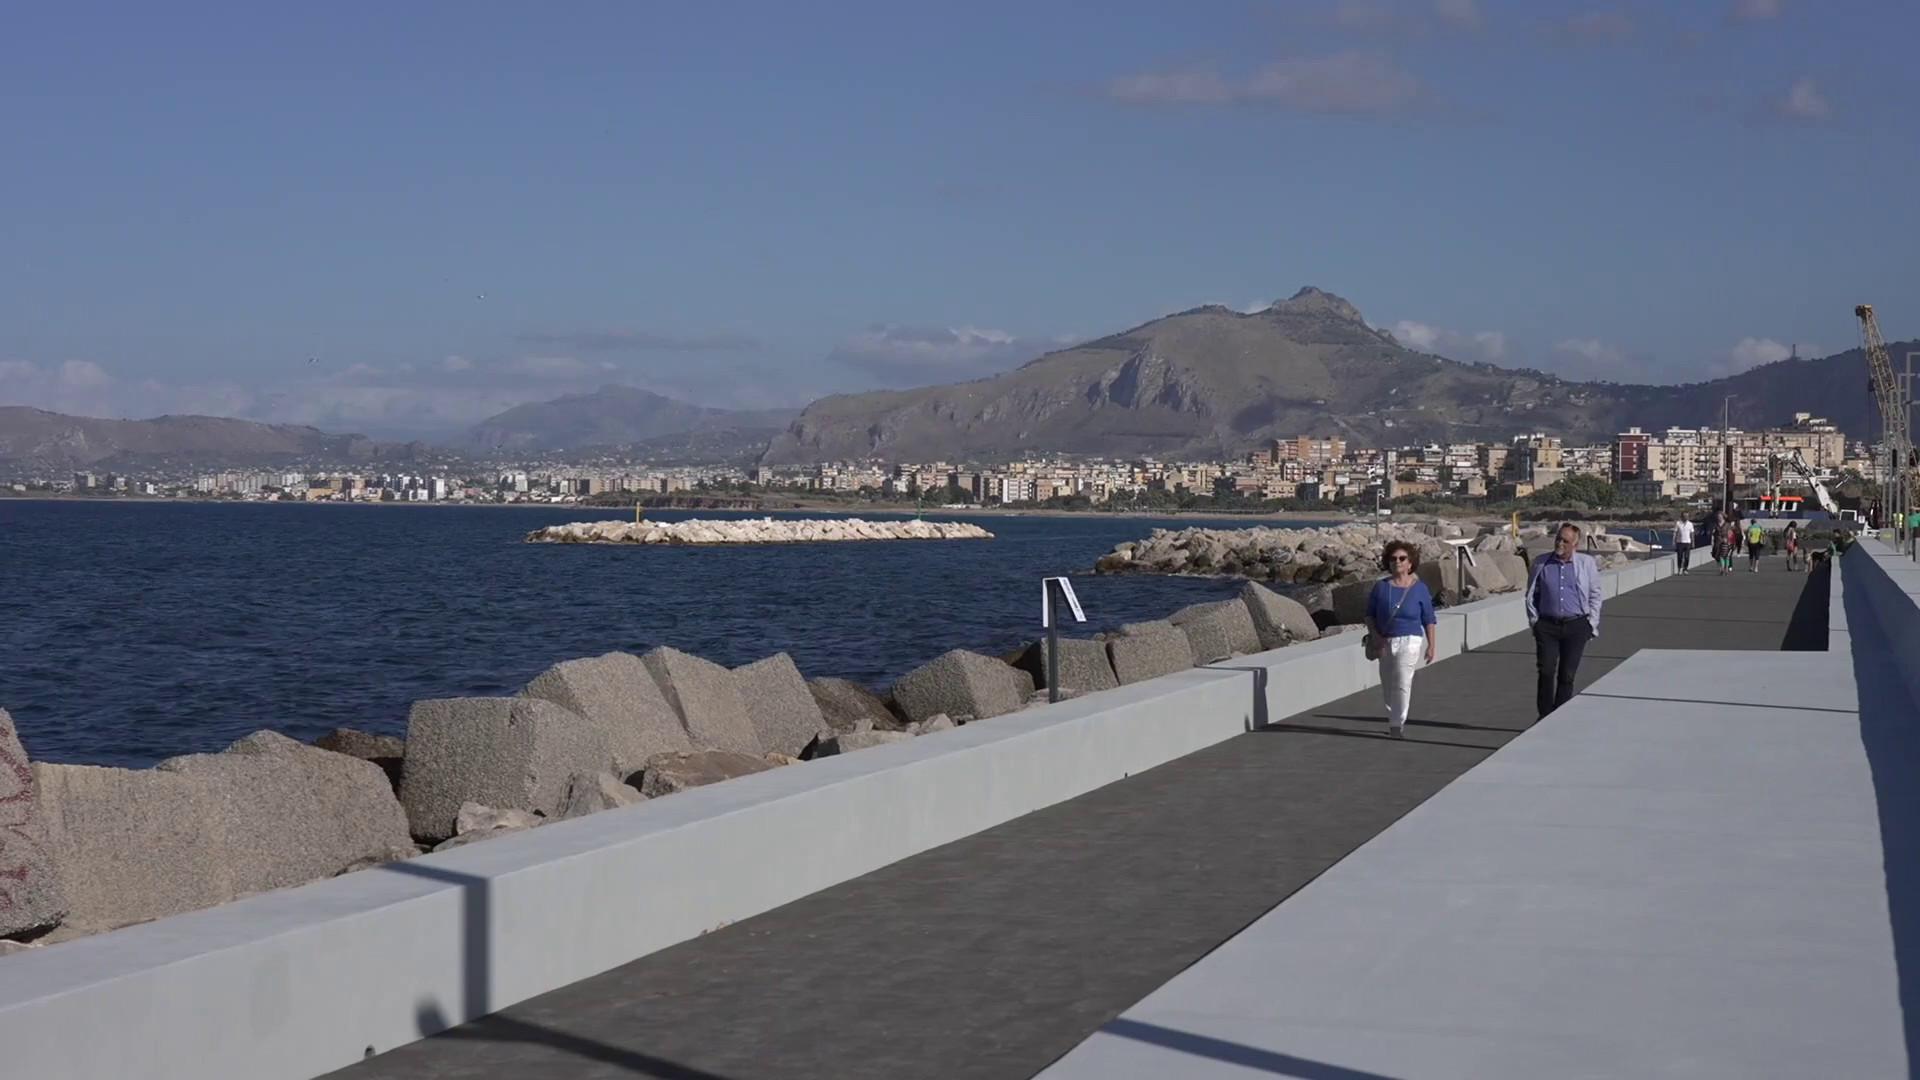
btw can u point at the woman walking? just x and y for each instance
(1791, 540)
(1400, 629)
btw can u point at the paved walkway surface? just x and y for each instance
(993, 956)
(1681, 873)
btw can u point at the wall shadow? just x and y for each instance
(476, 1003)
(1890, 734)
(1807, 626)
(1233, 1053)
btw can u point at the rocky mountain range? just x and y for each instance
(1213, 382)
(55, 440)
(616, 416)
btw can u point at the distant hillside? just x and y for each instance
(1214, 382)
(55, 440)
(612, 416)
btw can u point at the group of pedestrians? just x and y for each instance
(1728, 537)
(1562, 598)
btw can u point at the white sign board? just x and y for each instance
(1046, 601)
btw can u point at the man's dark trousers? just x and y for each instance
(1557, 647)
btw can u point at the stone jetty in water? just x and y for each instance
(753, 531)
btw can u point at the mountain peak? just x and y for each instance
(1315, 301)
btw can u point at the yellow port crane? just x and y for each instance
(1896, 437)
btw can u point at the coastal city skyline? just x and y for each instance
(1642, 466)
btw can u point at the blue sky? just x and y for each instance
(403, 217)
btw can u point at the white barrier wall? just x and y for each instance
(1891, 583)
(296, 983)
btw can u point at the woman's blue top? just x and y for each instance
(1416, 610)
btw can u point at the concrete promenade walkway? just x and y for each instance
(993, 956)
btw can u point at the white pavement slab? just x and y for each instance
(1679, 873)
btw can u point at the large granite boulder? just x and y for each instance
(617, 691)
(386, 751)
(962, 682)
(844, 703)
(670, 773)
(1226, 621)
(294, 813)
(856, 740)
(1277, 620)
(1513, 566)
(30, 894)
(1442, 578)
(1148, 650)
(783, 711)
(1350, 602)
(707, 699)
(1084, 667)
(590, 793)
(1485, 574)
(513, 753)
(131, 845)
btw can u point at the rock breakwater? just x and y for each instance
(1337, 556)
(86, 849)
(753, 531)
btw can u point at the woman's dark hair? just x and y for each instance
(1386, 555)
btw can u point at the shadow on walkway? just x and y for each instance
(1888, 719)
(476, 976)
(1233, 1053)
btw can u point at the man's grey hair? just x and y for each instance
(1564, 526)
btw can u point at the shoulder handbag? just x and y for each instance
(1371, 644)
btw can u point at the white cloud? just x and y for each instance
(1461, 13)
(1614, 27)
(555, 367)
(1754, 352)
(1591, 359)
(1803, 103)
(1363, 16)
(900, 356)
(1192, 87)
(1757, 9)
(1486, 346)
(1340, 84)
(455, 363)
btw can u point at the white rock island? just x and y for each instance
(752, 531)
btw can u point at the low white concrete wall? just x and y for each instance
(292, 984)
(297, 983)
(1891, 584)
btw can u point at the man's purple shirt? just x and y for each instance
(1558, 589)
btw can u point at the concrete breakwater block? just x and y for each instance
(131, 845)
(512, 753)
(30, 894)
(670, 773)
(592, 793)
(844, 703)
(294, 813)
(1148, 650)
(1277, 620)
(780, 706)
(962, 683)
(858, 740)
(1084, 666)
(386, 751)
(705, 697)
(1218, 624)
(618, 692)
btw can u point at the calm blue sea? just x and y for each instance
(130, 632)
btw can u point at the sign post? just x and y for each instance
(1050, 618)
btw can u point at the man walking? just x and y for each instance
(1682, 543)
(1563, 607)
